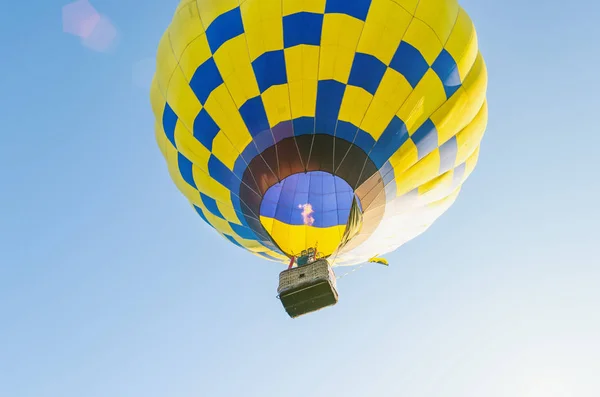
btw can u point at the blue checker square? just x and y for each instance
(233, 240)
(390, 141)
(185, 169)
(426, 138)
(219, 172)
(224, 28)
(269, 69)
(242, 231)
(302, 28)
(346, 131)
(330, 94)
(409, 62)
(447, 70)
(201, 213)
(367, 72)
(264, 140)
(255, 116)
(355, 8)
(211, 205)
(205, 129)
(364, 140)
(169, 122)
(206, 78)
(304, 126)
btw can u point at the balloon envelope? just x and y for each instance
(283, 121)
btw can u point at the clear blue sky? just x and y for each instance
(110, 285)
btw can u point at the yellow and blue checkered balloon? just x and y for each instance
(275, 116)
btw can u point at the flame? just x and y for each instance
(307, 211)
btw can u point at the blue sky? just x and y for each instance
(110, 285)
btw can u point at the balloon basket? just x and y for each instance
(307, 288)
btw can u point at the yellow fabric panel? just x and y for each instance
(211, 9)
(207, 185)
(462, 44)
(296, 6)
(423, 171)
(267, 223)
(263, 26)
(354, 105)
(427, 96)
(188, 191)
(292, 239)
(233, 62)
(302, 68)
(220, 224)
(383, 30)
(391, 94)
(228, 212)
(303, 98)
(182, 99)
(185, 27)
(408, 5)
(196, 53)
(475, 84)
(404, 158)
(443, 181)
(184, 3)
(470, 137)
(161, 138)
(447, 201)
(440, 15)
(280, 233)
(464, 105)
(423, 38)
(471, 163)
(190, 147)
(302, 63)
(224, 150)
(157, 100)
(276, 101)
(339, 40)
(165, 62)
(450, 117)
(256, 248)
(223, 111)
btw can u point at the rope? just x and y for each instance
(350, 272)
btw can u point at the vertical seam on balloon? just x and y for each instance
(250, 58)
(260, 96)
(317, 96)
(337, 121)
(290, 93)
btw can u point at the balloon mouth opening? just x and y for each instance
(308, 209)
(273, 193)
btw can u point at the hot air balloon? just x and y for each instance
(319, 133)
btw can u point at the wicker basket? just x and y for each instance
(307, 288)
